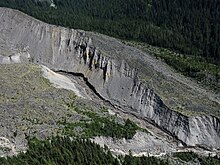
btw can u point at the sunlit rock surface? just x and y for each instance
(112, 68)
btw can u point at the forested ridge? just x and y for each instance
(64, 151)
(69, 151)
(189, 26)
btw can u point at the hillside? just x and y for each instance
(57, 81)
(191, 27)
(119, 74)
(186, 35)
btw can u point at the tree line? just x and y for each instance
(66, 151)
(189, 26)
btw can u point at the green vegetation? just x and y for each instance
(29, 103)
(34, 103)
(95, 125)
(62, 151)
(190, 26)
(190, 29)
(131, 160)
(195, 67)
(100, 126)
(190, 156)
(186, 156)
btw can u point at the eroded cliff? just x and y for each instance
(112, 69)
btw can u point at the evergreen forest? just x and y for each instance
(69, 151)
(66, 151)
(189, 26)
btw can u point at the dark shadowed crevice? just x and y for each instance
(105, 72)
(120, 107)
(87, 83)
(91, 56)
(93, 89)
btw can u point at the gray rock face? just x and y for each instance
(141, 144)
(76, 51)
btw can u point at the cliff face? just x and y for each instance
(61, 49)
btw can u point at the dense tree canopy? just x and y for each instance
(64, 151)
(189, 26)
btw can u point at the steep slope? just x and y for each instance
(191, 27)
(29, 106)
(114, 70)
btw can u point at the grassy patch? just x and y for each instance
(94, 124)
(174, 90)
(196, 67)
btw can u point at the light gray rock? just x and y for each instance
(141, 144)
(105, 67)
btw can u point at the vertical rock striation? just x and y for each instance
(71, 50)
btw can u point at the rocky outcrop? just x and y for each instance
(61, 81)
(15, 58)
(141, 144)
(69, 50)
(7, 147)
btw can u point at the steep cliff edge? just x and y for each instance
(109, 66)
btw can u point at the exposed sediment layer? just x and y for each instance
(69, 50)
